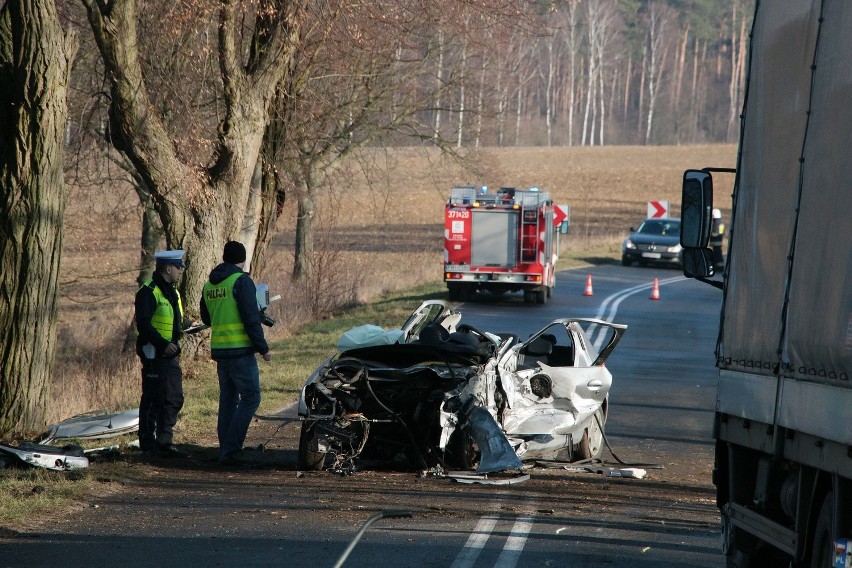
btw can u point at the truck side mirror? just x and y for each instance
(696, 209)
(698, 263)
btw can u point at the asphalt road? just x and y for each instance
(193, 513)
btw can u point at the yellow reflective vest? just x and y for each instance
(229, 332)
(163, 319)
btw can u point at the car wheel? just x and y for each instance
(822, 552)
(591, 445)
(626, 261)
(310, 456)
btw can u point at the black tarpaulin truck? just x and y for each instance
(783, 419)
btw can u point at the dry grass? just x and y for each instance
(380, 231)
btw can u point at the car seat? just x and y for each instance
(537, 351)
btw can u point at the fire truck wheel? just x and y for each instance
(454, 292)
(541, 297)
(529, 297)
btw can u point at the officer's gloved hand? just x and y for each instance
(171, 350)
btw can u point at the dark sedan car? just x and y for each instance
(656, 241)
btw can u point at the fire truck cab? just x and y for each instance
(506, 241)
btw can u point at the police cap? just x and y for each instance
(170, 257)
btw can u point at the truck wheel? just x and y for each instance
(541, 297)
(310, 457)
(822, 551)
(453, 292)
(529, 297)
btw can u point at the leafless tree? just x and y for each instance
(658, 28)
(35, 62)
(200, 206)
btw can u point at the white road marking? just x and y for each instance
(607, 312)
(511, 550)
(515, 543)
(475, 543)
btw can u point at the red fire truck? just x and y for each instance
(506, 241)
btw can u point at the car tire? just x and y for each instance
(626, 261)
(310, 457)
(591, 444)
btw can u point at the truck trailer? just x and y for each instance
(783, 416)
(505, 241)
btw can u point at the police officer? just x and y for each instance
(159, 323)
(229, 306)
(717, 235)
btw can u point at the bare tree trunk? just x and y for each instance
(518, 116)
(302, 266)
(463, 71)
(643, 75)
(440, 78)
(271, 190)
(679, 70)
(548, 89)
(658, 21)
(737, 70)
(35, 62)
(628, 78)
(152, 234)
(480, 99)
(573, 49)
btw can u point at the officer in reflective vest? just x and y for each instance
(229, 306)
(159, 323)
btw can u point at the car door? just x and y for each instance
(557, 379)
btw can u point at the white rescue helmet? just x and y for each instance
(717, 214)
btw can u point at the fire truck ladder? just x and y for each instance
(530, 223)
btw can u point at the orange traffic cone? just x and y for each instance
(655, 291)
(588, 291)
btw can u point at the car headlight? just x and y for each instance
(628, 244)
(675, 248)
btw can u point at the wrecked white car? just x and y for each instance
(437, 393)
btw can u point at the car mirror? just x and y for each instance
(698, 263)
(696, 209)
